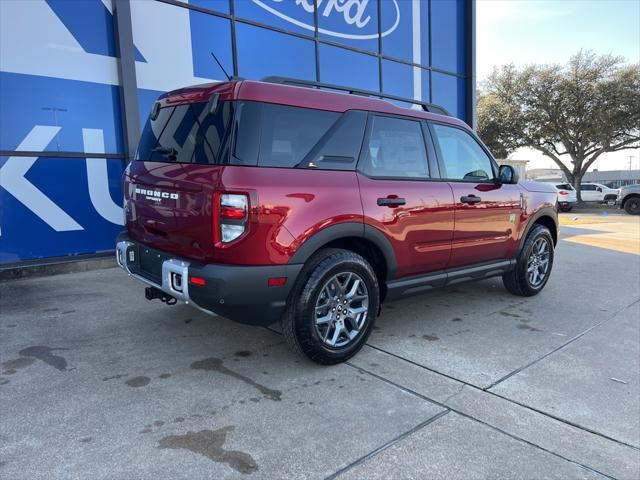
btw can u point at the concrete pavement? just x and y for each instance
(467, 382)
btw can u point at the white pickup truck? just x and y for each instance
(596, 192)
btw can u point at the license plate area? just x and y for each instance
(146, 262)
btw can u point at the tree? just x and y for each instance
(571, 113)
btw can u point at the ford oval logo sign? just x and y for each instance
(355, 14)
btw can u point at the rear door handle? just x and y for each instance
(391, 202)
(470, 199)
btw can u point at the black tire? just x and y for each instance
(518, 280)
(632, 206)
(299, 326)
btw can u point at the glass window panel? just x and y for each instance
(210, 34)
(67, 105)
(295, 16)
(26, 236)
(396, 149)
(263, 52)
(397, 78)
(448, 35)
(345, 67)
(216, 5)
(398, 42)
(186, 134)
(448, 91)
(340, 147)
(463, 157)
(351, 22)
(289, 133)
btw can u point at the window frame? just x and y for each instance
(433, 171)
(434, 138)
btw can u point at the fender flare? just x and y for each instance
(344, 230)
(543, 212)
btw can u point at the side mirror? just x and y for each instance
(599, 189)
(507, 175)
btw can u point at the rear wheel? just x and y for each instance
(533, 265)
(632, 206)
(332, 308)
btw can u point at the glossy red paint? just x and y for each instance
(434, 230)
(420, 231)
(486, 230)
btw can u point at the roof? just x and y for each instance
(296, 97)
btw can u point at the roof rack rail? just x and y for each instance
(427, 107)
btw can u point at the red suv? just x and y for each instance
(284, 200)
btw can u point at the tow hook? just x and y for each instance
(151, 293)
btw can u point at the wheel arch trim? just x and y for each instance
(346, 230)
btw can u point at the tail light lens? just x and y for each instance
(231, 213)
(563, 193)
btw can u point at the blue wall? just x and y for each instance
(60, 94)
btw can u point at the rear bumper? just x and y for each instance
(240, 293)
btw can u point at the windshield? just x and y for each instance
(186, 134)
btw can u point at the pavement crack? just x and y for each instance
(560, 347)
(452, 396)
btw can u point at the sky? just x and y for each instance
(550, 31)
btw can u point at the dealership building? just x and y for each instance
(79, 77)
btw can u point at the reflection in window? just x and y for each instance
(263, 52)
(448, 35)
(396, 149)
(448, 91)
(286, 134)
(344, 67)
(463, 157)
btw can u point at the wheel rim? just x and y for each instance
(634, 206)
(538, 262)
(341, 309)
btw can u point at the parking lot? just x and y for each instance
(466, 382)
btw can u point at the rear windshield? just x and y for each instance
(264, 134)
(187, 134)
(564, 186)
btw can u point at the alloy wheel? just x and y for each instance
(538, 262)
(341, 309)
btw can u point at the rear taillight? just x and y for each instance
(563, 193)
(230, 216)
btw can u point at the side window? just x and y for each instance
(340, 146)
(587, 188)
(395, 149)
(270, 135)
(463, 158)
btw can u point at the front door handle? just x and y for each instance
(470, 199)
(391, 202)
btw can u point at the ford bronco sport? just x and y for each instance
(283, 201)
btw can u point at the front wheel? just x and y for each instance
(533, 266)
(632, 206)
(332, 308)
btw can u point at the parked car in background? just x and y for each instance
(629, 198)
(596, 192)
(567, 196)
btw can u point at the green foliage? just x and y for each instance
(571, 113)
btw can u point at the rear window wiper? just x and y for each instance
(170, 153)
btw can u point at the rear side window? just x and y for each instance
(462, 156)
(186, 134)
(277, 135)
(395, 149)
(588, 188)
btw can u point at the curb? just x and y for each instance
(50, 267)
